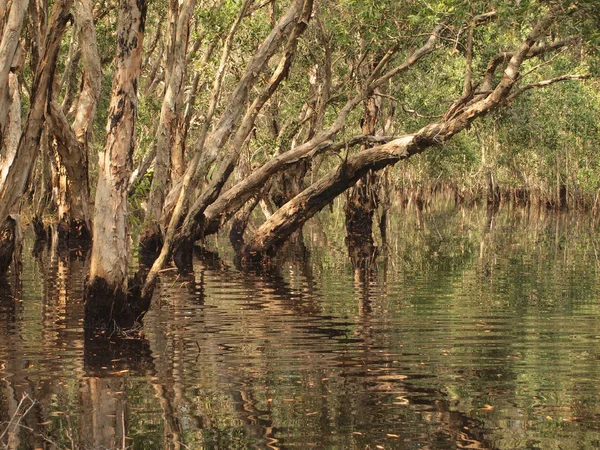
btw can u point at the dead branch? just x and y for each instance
(25, 405)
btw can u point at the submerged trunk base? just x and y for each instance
(183, 256)
(74, 231)
(110, 309)
(151, 242)
(8, 233)
(105, 356)
(41, 232)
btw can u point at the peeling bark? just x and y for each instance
(11, 130)
(229, 202)
(213, 144)
(106, 304)
(19, 173)
(191, 226)
(8, 47)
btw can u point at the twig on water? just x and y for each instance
(21, 411)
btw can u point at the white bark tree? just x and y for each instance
(106, 294)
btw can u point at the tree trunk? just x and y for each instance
(8, 47)
(72, 146)
(11, 130)
(191, 226)
(151, 240)
(74, 214)
(212, 145)
(296, 212)
(19, 172)
(106, 294)
(231, 201)
(361, 200)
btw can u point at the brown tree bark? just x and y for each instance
(183, 242)
(106, 293)
(74, 210)
(11, 129)
(229, 202)
(361, 199)
(8, 48)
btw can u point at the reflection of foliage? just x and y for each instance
(472, 320)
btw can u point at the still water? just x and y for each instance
(470, 330)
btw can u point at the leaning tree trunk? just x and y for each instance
(212, 144)
(231, 201)
(296, 212)
(106, 293)
(184, 240)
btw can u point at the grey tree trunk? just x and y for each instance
(296, 212)
(72, 146)
(211, 145)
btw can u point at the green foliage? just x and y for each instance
(136, 202)
(545, 137)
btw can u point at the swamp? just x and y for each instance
(329, 224)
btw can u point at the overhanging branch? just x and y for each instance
(544, 83)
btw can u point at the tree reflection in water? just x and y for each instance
(470, 331)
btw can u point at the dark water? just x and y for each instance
(470, 331)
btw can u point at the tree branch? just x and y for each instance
(544, 83)
(536, 50)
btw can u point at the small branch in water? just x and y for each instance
(21, 411)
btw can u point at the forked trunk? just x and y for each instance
(106, 294)
(74, 208)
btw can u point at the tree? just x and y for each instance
(19, 171)
(106, 301)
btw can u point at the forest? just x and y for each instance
(143, 127)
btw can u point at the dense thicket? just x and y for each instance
(220, 109)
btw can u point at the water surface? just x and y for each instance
(470, 330)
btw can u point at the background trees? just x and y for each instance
(284, 105)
